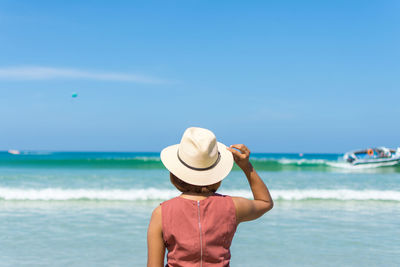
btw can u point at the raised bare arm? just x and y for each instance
(246, 209)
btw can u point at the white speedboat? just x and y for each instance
(380, 156)
(14, 152)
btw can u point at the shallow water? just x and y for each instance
(55, 213)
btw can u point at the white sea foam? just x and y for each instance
(345, 165)
(58, 194)
(326, 194)
(36, 152)
(91, 194)
(339, 194)
(302, 161)
(148, 158)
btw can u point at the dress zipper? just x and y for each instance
(201, 239)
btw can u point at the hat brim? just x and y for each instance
(169, 157)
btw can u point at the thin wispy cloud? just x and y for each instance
(49, 73)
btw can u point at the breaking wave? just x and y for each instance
(153, 194)
(147, 160)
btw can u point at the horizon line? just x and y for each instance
(126, 151)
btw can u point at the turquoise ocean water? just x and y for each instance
(92, 209)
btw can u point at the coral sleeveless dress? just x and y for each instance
(198, 233)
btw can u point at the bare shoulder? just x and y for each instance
(156, 215)
(239, 201)
(241, 205)
(248, 210)
(155, 224)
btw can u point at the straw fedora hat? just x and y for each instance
(198, 159)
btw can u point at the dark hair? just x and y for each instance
(189, 188)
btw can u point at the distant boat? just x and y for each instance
(14, 152)
(380, 156)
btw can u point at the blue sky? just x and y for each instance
(279, 76)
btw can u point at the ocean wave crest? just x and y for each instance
(303, 161)
(262, 162)
(149, 194)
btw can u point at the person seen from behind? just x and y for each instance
(197, 227)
